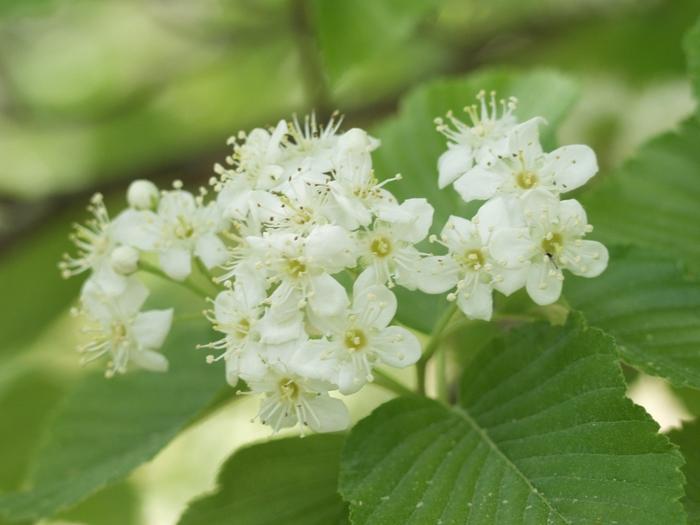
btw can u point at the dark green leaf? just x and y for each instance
(543, 434)
(291, 481)
(692, 50)
(688, 438)
(652, 310)
(106, 428)
(652, 200)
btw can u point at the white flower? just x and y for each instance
(524, 166)
(255, 166)
(310, 148)
(116, 327)
(96, 241)
(361, 339)
(236, 314)
(182, 227)
(290, 398)
(301, 266)
(125, 260)
(388, 251)
(142, 195)
(555, 242)
(469, 144)
(477, 273)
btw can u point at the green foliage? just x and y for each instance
(645, 301)
(688, 439)
(105, 429)
(351, 34)
(543, 434)
(29, 268)
(291, 481)
(692, 50)
(651, 201)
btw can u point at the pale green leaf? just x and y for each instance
(645, 301)
(652, 200)
(353, 33)
(106, 428)
(291, 481)
(543, 434)
(688, 439)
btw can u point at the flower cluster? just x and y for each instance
(524, 235)
(306, 245)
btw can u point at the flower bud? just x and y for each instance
(125, 260)
(142, 195)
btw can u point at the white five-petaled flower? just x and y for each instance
(470, 143)
(476, 271)
(290, 398)
(116, 327)
(301, 267)
(360, 339)
(388, 252)
(182, 227)
(524, 166)
(552, 242)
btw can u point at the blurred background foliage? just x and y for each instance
(95, 94)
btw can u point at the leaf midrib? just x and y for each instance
(462, 413)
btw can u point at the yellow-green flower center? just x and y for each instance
(296, 268)
(183, 229)
(380, 246)
(526, 179)
(475, 259)
(355, 340)
(289, 390)
(553, 244)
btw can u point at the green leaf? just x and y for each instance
(291, 481)
(692, 50)
(31, 265)
(411, 146)
(652, 200)
(687, 439)
(645, 301)
(543, 434)
(106, 428)
(351, 34)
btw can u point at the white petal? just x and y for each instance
(573, 217)
(374, 304)
(511, 247)
(476, 301)
(454, 163)
(479, 183)
(176, 263)
(439, 273)
(149, 360)
(331, 415)
(593, 258)
(544, 283)
(460, 233)
(136, 228)
(525, 138)
(132, 298)
(571, 166)
(211, 250)
(151, 328)
(412, 220)
(331, 248)
(350, 379)
(177, 203)
(496, 214)
(328, 297)
(397, 347)
(510, 280)
(109, 281)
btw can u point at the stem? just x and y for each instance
(433, 345)
(391, 384)
(441, 377)
(187, 283)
